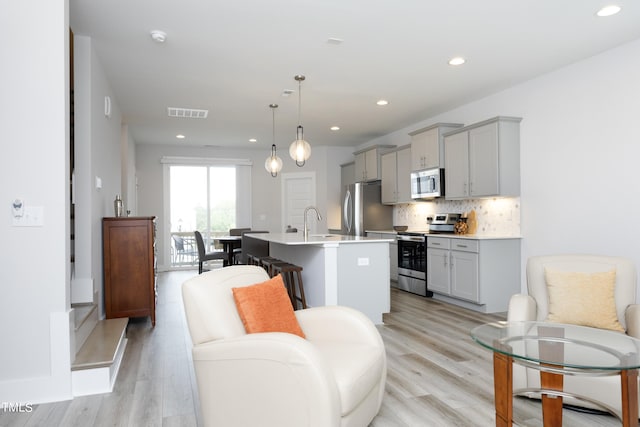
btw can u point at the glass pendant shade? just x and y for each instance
(273, 164)
(300, 150)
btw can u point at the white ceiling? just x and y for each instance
(236, 57)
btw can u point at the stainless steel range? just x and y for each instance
(412, 253)
(412, 262)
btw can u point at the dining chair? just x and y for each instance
(203, 255)
(237, 251)
(184, 250)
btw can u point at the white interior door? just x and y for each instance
(298, 192)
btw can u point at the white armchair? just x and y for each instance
(535, 307)
(334, 377)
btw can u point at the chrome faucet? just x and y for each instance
(306, 228)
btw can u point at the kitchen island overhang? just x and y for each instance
(351, 271)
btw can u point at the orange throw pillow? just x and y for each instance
(266, 307)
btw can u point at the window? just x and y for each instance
(208, 195)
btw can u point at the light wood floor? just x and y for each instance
(437, 376)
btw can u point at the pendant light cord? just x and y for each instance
(299, 102)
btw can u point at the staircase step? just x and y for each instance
(97, 363)
(85, 320)
(82, 312)
(101, 347)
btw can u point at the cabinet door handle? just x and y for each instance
(435, 243)
(461, 246)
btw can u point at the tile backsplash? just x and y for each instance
(500, 216)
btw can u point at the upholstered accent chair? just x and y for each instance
(536, 307)
(335, 376)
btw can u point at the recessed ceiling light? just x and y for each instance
(253, 140)
(608, 10)
(335, 127)
(458, 60)
(334, 40)
(180, 136)
(382, 102)
(158, 36)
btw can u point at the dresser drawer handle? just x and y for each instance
(435, 244)
(461, 246)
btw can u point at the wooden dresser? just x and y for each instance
(129, 267)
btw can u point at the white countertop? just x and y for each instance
(314, 239)
(453, 235)
(474, 236)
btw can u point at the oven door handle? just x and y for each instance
(411, 238)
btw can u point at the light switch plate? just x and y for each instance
(33, 217)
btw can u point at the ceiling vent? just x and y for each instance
(187, 113)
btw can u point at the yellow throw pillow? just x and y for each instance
(585, 299)
(266, 307)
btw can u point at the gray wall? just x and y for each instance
(99, 154)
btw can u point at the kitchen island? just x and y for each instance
(352, 271)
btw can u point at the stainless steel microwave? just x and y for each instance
(427, 184)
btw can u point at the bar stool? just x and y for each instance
(253, 260)
(292, 282)
(268, 262)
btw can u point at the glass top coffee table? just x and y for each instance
(556, 350)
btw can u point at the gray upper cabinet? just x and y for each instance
(396, 176)
(483, 159)
(367, 165)
(348, 173)
(427, 146)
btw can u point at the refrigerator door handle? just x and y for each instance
(347, 211)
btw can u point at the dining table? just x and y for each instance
(229, 244)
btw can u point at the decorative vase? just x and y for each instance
(117, 206)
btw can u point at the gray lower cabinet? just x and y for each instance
(480, 274)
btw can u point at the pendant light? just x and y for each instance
(299, 150)
(273, 164)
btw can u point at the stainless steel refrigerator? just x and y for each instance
(362, 210)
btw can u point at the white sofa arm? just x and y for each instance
(522, 308)
(632, 319)
(338, 323)
(268, 379)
